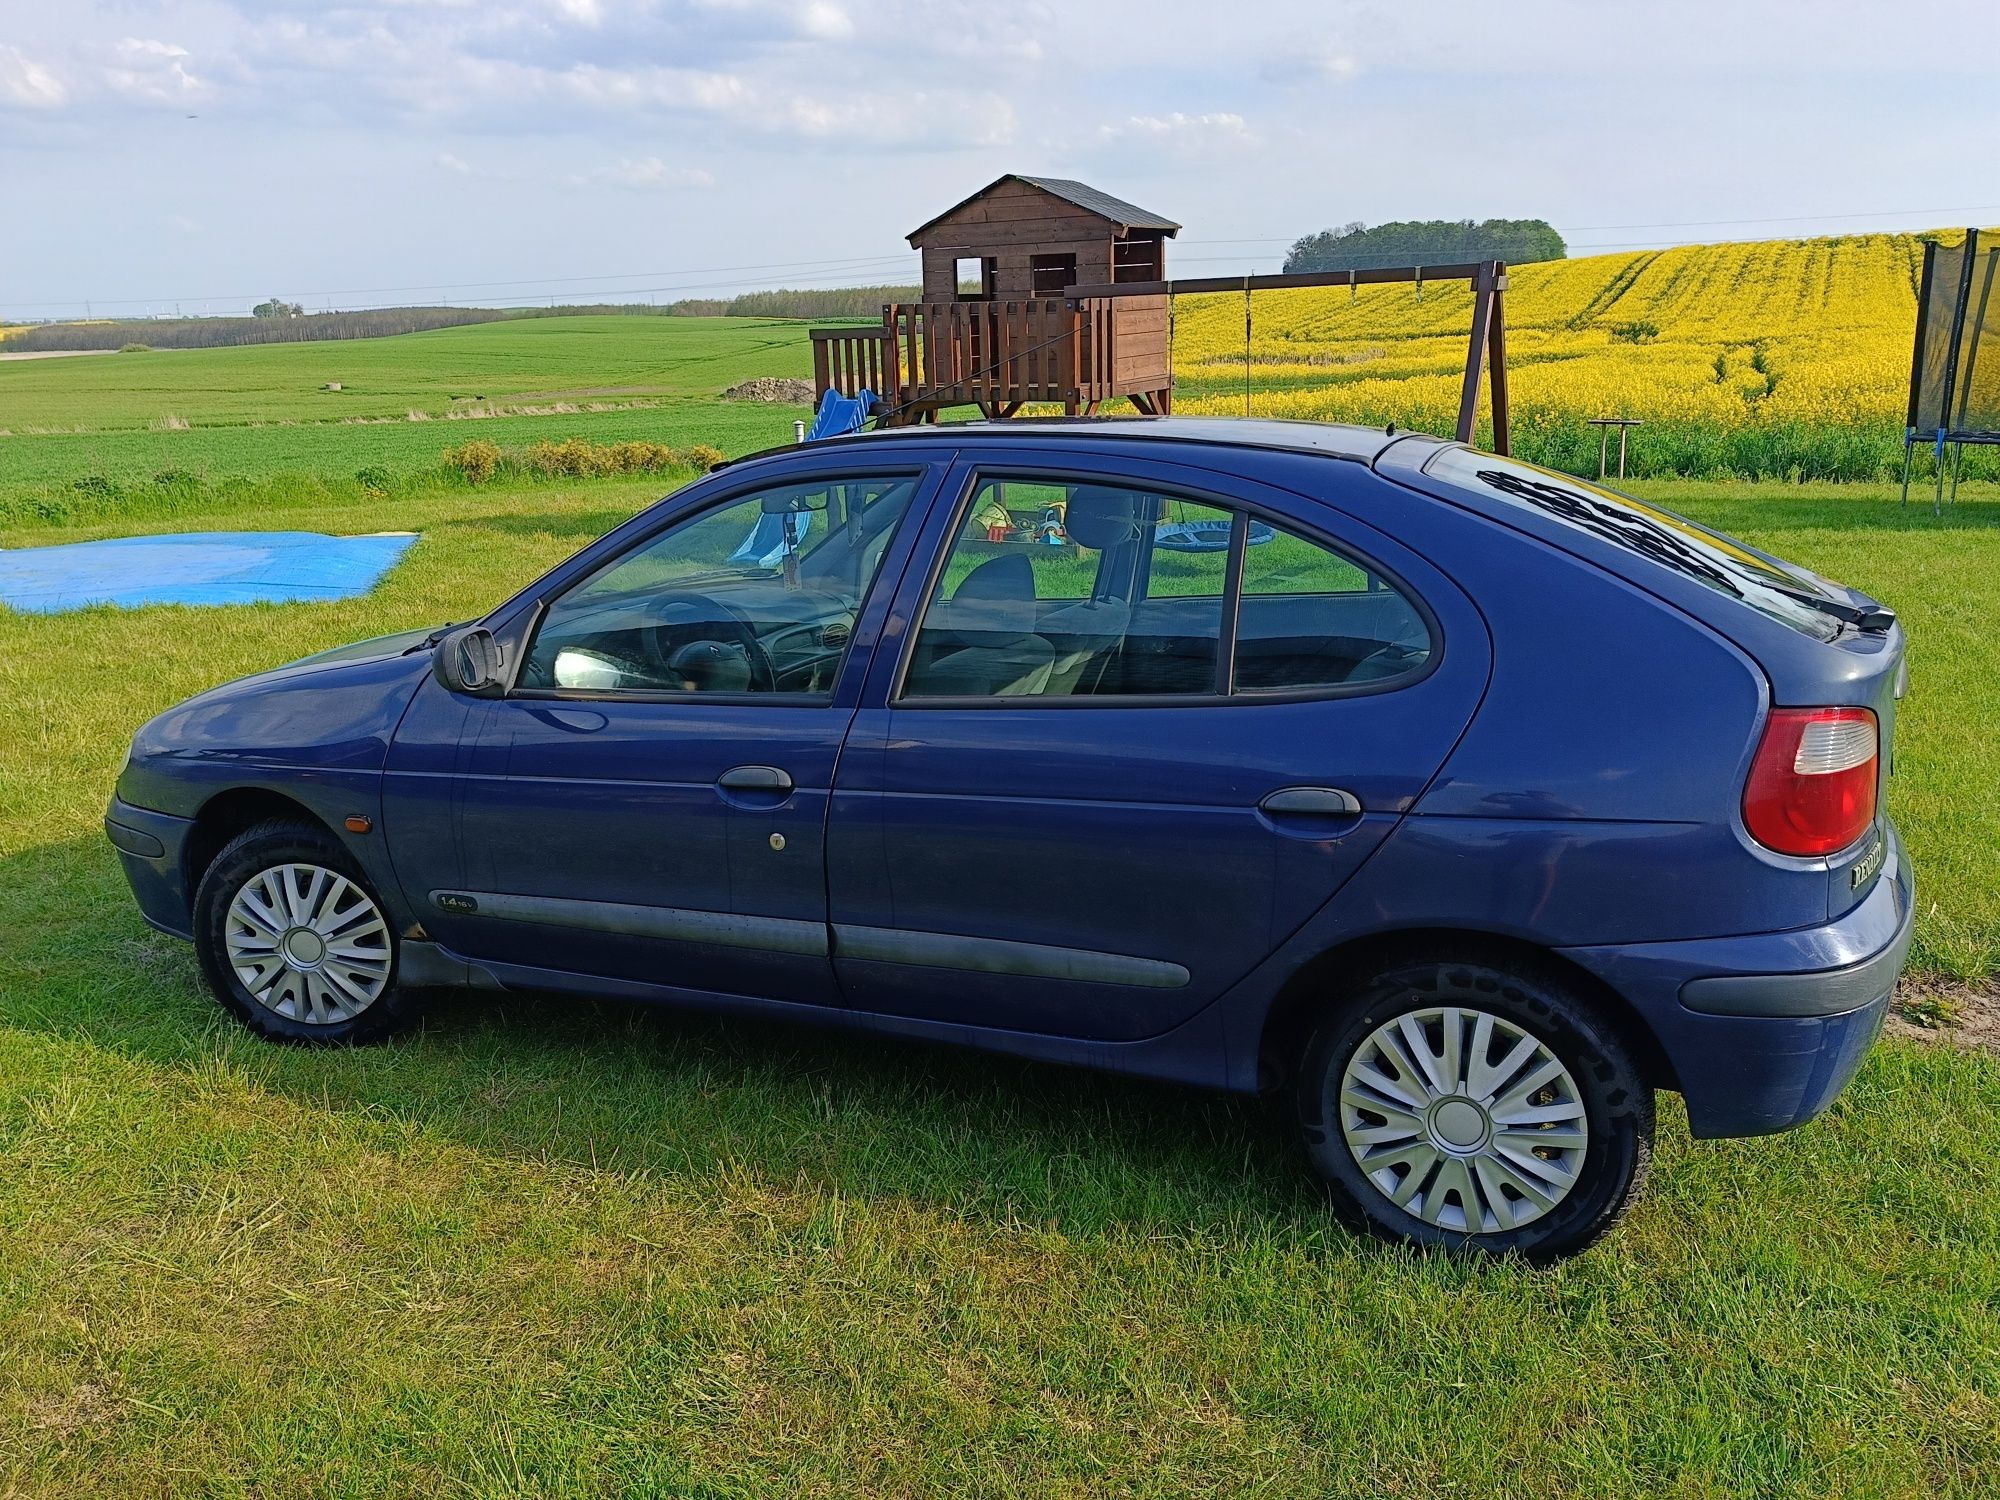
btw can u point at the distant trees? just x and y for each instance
(1417, 242)
(277, 309)
(213, 333)
(816, 302)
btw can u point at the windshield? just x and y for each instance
(1719, 562)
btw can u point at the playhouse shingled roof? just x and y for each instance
(1127, 216)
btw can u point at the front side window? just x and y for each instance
(758, 595)
(1090, 589)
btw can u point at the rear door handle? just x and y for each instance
(754, 779)
(1311, 802)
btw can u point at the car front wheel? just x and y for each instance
(294, 943)
(1474, 1105)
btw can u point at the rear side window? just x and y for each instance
(1313, 618)
(1712, 559)
(1095, 590)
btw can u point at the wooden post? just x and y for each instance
(1475, 353)
(1073, 394)
(1496, 367)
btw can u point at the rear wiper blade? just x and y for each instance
(1876, 619)
(1648, 538)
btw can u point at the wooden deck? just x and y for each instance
(1076, 352)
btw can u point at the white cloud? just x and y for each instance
(825, 20)
(153, 72)
(452, 162)
(645, 173)
(1312, 65)
(25, 82)
(653, 88)
(1181, 130)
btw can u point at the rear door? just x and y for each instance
(1095, 780)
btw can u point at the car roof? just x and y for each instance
(1327, 439)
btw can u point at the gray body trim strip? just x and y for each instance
(1820, 992)
(944, 950)
(936, 950)
(672, 923)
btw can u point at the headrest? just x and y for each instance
(995, 603)
(1101, 517)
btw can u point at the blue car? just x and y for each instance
(1465, 803)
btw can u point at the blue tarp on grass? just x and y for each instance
(198, 567)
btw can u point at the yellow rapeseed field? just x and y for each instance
(1787, 358)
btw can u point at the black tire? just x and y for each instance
(1604, 1174)
(264, 848)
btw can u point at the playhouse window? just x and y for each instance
(1136, 259)
(974, 276)
(1050, 275)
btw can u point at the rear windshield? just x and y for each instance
(1689, 548)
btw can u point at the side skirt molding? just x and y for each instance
(932, 950)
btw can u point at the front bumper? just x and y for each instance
(1763, 1032)
(150, 846)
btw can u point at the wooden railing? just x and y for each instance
(1074, 351)
(852, 360)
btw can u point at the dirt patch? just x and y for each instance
(772, 388)
(1945, 1010)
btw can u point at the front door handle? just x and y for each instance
(1311, 802)
(755, 779)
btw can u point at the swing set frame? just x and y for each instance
(1486, 348)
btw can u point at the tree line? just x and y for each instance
(215, 333)
(1418, 242)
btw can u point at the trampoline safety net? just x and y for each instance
(1955, 372)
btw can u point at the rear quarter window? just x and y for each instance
(1718, 562)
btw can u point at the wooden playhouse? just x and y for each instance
(999, 325)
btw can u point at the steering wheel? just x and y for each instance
(679, 618)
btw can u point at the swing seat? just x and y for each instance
(1206, 536)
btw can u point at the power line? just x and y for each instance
(524, 283)
(524, 288)
(1884, 213)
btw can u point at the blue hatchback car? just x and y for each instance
(1467, 803)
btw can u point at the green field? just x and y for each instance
(552, 1248)
(260, 412)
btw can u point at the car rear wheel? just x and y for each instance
(294, 943)
(1474, 1105)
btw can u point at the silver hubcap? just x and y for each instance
(308, 944)
(1463, 1119)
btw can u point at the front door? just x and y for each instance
(648, 801)
(1115, 765)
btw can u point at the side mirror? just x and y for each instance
(468, 660)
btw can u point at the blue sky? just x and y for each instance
(208, 153)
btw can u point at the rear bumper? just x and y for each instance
(1763, 1032)
(150, 846)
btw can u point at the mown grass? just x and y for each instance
(560, 1249)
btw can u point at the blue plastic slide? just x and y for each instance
(197, 567)
(840, 415)
(765, 546)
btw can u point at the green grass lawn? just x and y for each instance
(560, 1249)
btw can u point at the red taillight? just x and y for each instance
(1812, 785)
